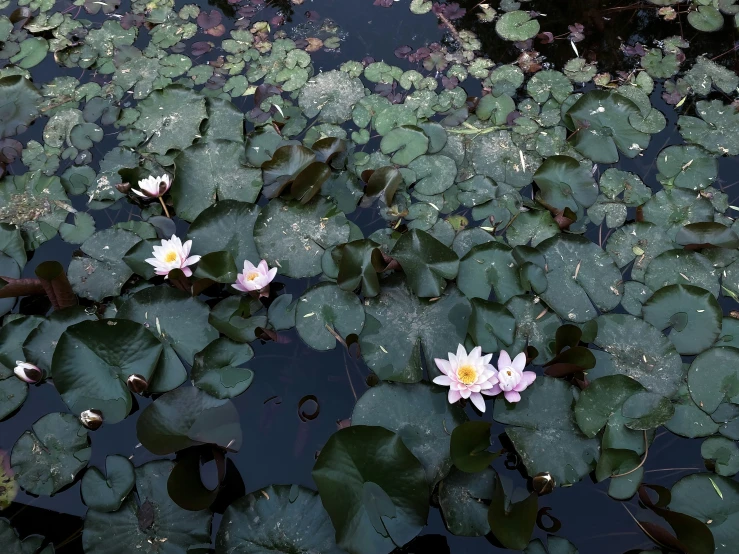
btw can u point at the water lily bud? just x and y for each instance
(136, 383)
(92, 419)
(543, 483)
(123, 187)
(28, 372)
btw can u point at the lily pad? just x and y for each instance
(435, 173)
(490, 267)
(147, 520)
(216, 368)
(406, 143)
(187, 417)
(279, 518)
(582, 278)
(601, 399)
(420, 414)
(640, 351)
(331, 95)
(638, 242)
(426, 262)
(682, 267)
(492, 325)
(19, 105)
(564, 183)
(211, 171)
(463, 497)
(373, 488)
(106, 494)
(646, 410)
(535, 326)
(714, 128)
(293, 236)
(723, 454)
(325, 306)
(361, 260)
(90, 374)
(397, 324)
(692, 313)
(517, 26)
(542, 428)
(39, 347)
(672, 209)
(48, 458)
(687, 167)
(714, 377)
(689, 420)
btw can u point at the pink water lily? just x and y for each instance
(28, 372)
(254, 278)
(172, 254)
(512, 379)
(467, 376)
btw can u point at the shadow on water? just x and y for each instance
(279, 445)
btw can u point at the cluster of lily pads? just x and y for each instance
(503, 224)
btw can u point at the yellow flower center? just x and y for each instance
(253, 275)
(170, 257)
(467, 374)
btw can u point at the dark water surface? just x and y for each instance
(279, 446)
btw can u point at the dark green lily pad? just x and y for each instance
(373, 488)
(463, 497)
(723, 454)
(19, 105)
(638, 242)
(714, 128)
(90, 373)
(682, 267)
(279, 518)
(492, 325)
(216, 368)
(646, 410)
(601, 399)
(147, 520)
(293, 237)
(48, 458)
(535, 326)
(689, 420)
(106, 494)
(326, 305)
(490, 267)
(420, 414)
(397, 324)
(672, 209)
(211, 171)
(39, 347)
(687, 167)
(639, 351)
(426, 262)
(714, 377)
(543, 430)
(469, 446)
(564, 183)
(331, 96)
(517, 26)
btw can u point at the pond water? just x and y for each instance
(301, 396)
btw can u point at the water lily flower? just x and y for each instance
(512, 379)
(155, 187)
(91, 419)
(172, 254)
(467, 376)
(28, 372)
(254, 278)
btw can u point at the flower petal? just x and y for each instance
(443, 380)
(512, 396)
(478, 401)
(519, 362)
(443, 365)
(504, 360)
(492, 392)
(465, 392)
(453, 396)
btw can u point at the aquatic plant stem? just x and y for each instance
(166, 211)
(643, 460)
(448, 25)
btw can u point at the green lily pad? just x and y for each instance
(535, 326)
(638, 242)
(713, 500)
(435, 173)
(89, 374)
(147, 520)
(548, 83)
(707, 234)
(170, 118)
(714, 377)
(706, 73)
(420, 414)
(687, 167)
(555, 545)
(211, 171)
(426, 262)
(235, 317)
(216, 368)
(48, 458)
(689, 420)
(714, 128)
(19, 106)
(602, 118)
(706, 19)
(646, 410)
(492, 326)
(397, 324)
(360, 262)
(463, 497)
(226, 226)
(532, 227)
(13, 392)
(469, 446)
(40, 344)
(542, 428)
(582, 278)
(692, 313)
(723, 453)
(279, 518)
(406, 143)
(682, 267)
(176, 318)
(495, 155)
(187, 417)
(106, 494)
(325, 306)
(517, 26)
(331, 95)
(490, 267)
(293, 237)
(672, 209)
(601, 399)
(104, 273)
(564, 183)
(638, 350)
(373, 488)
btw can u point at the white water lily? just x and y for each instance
(154, 187)
(172, 254)
(254, 278)
(28, 372)
(512, 379)
(467, 376)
